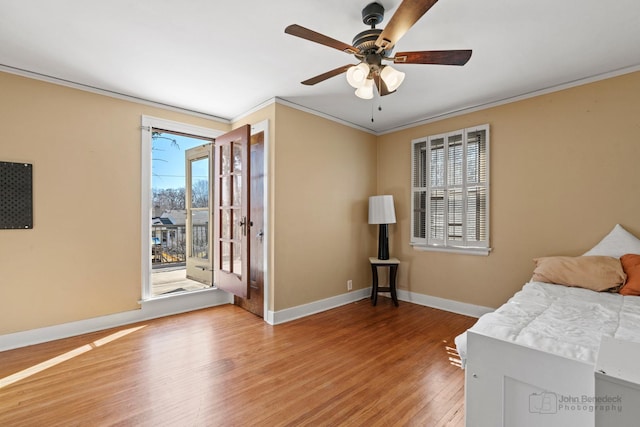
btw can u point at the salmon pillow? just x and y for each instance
(598, 273)
(631, 266)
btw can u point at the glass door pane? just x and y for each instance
(199, 229)
(232, 211)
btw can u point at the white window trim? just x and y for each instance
(148, 123)
(422, 244)
(453, 249)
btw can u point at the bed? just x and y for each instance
(532, 361)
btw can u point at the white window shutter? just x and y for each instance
(450, 190)
(418, 192)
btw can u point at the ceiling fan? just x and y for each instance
(373, 46)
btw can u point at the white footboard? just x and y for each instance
(509, 385)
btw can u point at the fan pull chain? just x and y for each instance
(379, 98)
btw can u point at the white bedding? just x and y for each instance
(561, 320)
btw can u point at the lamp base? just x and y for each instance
(383, 242)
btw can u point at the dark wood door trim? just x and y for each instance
(255, 302)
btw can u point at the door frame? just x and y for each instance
(149, 122)
(267, 315)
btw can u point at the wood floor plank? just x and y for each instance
(356, 364)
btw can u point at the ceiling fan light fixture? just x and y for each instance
(373, 46)
(392, 77)
(366, 90)
(357, 75)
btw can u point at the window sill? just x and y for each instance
(178, 295)
(453, 250)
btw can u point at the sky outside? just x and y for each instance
(168, 169)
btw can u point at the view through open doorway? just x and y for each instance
(169, 210)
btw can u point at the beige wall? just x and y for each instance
(323, 174)
(82, 258)
(564, 171)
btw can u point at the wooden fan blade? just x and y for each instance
(327, 75)
(307, 34)
(405, 16)
(381, 86)
(442, 57)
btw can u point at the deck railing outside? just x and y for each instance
(169, 242)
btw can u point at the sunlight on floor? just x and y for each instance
(454, 357)
(25, 373)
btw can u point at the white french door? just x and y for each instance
(198, 199)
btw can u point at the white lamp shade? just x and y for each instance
(357, 74)
(366, 90)
(392, 78)
(381, 210)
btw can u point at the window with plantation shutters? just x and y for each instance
(450, 191)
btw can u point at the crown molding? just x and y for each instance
(282, 101)
(112, 94)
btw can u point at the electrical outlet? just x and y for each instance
(349, 285)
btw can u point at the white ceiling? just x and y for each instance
(224, 58)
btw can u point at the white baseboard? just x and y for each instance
(444, 304)
(297, 312)
(288, 314)
(150, 309)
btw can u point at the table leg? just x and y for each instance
(392, 284)
(374, 288)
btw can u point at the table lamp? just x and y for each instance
(381, 212)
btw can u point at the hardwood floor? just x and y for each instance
(353, 365)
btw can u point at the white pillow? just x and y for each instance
(615, 244)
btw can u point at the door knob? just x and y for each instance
(243, 224)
